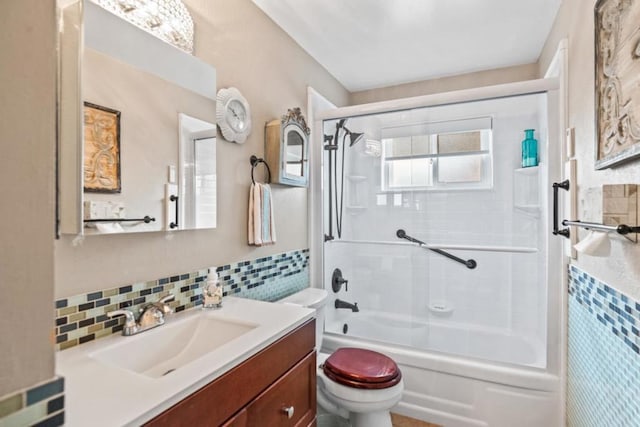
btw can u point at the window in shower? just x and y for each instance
(438, 156)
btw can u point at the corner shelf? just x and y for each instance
(526, 190)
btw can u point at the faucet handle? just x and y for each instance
(337, 281)
(167, 298)
(166, 309)
(130, 319)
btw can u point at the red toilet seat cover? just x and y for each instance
(359, 368)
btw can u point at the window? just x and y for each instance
(437, 156)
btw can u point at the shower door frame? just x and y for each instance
(555, 259)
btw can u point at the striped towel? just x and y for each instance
(261, 223)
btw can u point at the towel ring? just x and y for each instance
(254, 162)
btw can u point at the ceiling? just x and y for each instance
(377, 43)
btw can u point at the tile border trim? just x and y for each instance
(82, 318)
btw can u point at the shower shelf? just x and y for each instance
(526, 185)
(531, 170)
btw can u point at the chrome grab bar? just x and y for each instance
(469, 263)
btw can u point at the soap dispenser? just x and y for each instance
(212, 292)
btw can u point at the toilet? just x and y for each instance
(354, 383)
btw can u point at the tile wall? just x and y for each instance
(82, 318)
(603, 381)
(39, 406)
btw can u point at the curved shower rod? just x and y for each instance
(469, 263)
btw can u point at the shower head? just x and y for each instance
(355, 137)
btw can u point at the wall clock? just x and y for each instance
(233, 115)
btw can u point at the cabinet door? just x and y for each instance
(290, 401)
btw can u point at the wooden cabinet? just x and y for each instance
(276, 387)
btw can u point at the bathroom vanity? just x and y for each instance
(276, 387)
(250, 363)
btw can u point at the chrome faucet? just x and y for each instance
(343, 304)
(151, 315)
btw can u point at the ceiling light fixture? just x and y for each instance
(168, 20)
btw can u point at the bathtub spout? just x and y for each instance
(343, 304)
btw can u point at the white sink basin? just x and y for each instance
(145, 374)
(159, 352)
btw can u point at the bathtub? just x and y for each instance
(446, 388)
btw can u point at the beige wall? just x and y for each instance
(27, 134)
(576, 23)
(251, 53)
(446, 84)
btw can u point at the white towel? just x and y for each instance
(261, 227)
(596, 243)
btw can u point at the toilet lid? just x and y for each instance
(359, 368)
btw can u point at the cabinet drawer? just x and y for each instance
(215, 403)
(296, 389)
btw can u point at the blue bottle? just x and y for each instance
(529, 149)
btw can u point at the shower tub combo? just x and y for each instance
(433, 242)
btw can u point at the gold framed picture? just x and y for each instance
(617, 68)
(101, 164)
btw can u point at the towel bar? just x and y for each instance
(147, 219)
(622, 229)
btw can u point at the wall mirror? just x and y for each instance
(137, 142)
(286, 148)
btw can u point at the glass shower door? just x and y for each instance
(449, 176)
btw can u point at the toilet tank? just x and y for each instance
(311, 298)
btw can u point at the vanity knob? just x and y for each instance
(289, 410)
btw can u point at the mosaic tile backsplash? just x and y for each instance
(82, 318)
(39, 406)
(603, 381)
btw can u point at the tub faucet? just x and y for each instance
(343, 304)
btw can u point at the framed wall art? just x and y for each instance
(101, 149)
(617, 81)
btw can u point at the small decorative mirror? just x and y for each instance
(286, 149)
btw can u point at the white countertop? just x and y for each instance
(99, 394)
